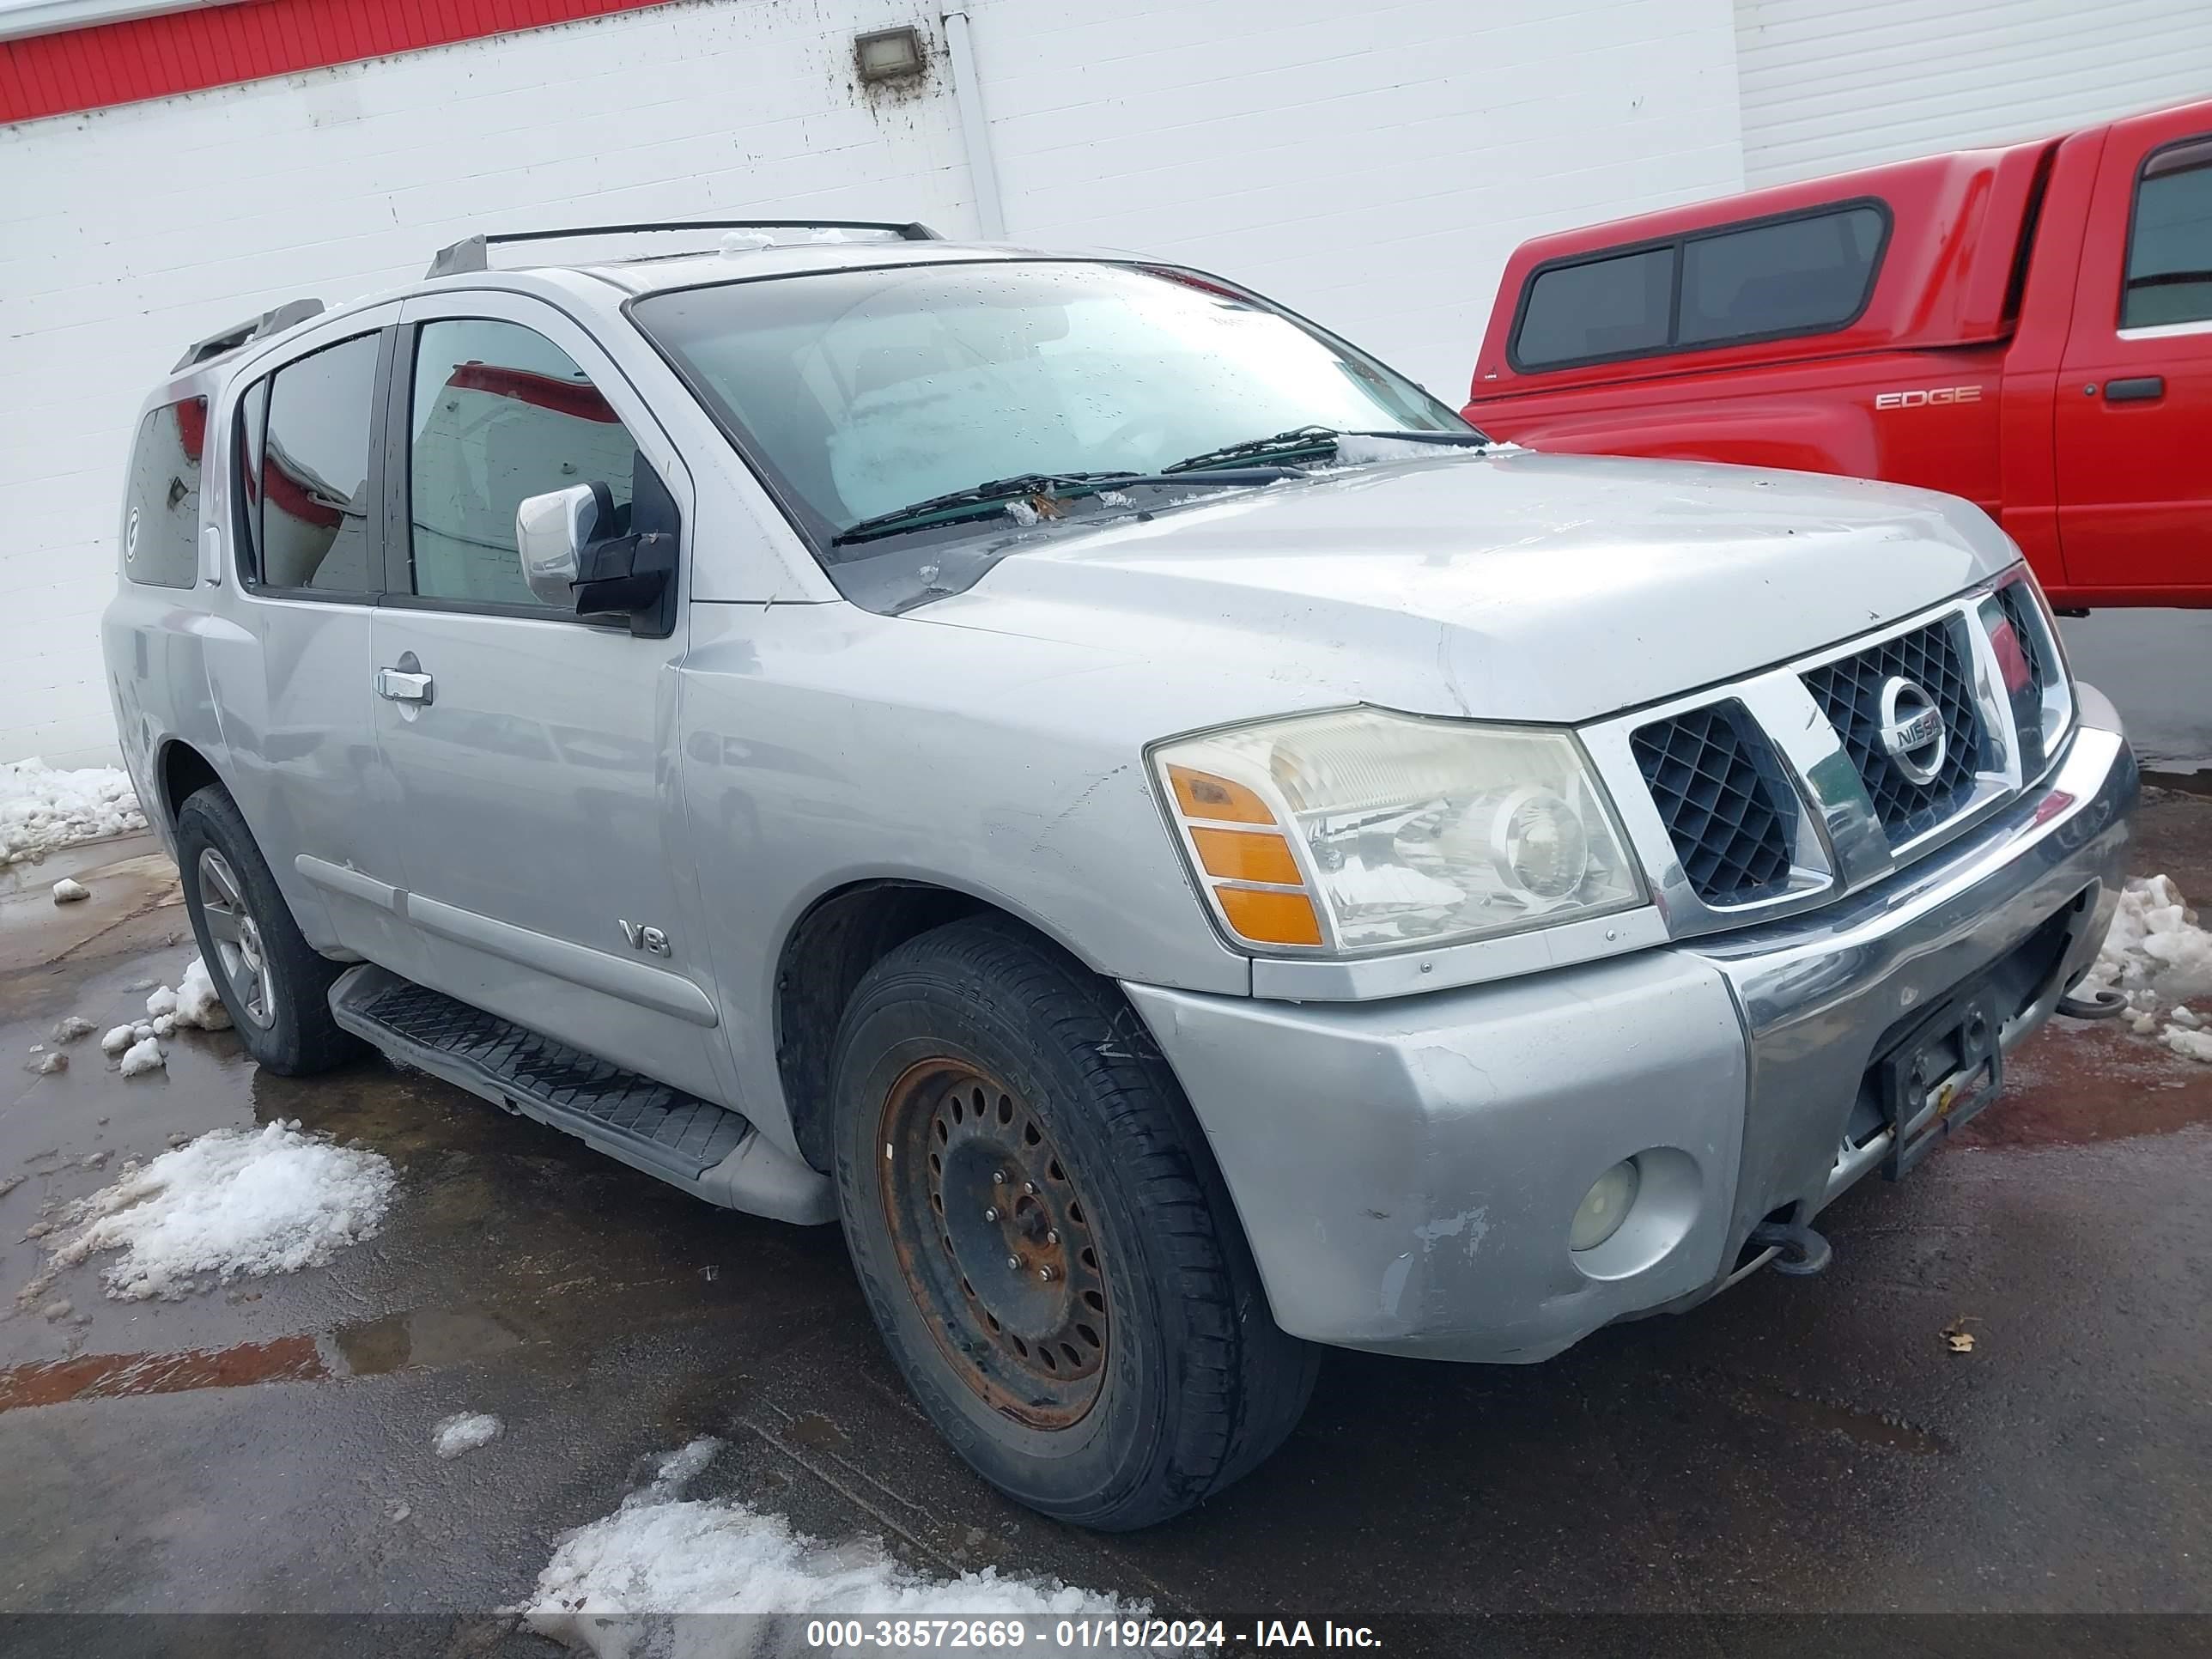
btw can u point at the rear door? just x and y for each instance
(2134, 394)
(530, 753)
(290, 680)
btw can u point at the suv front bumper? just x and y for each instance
(1406, 1169)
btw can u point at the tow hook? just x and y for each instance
(1804, 1252)
(2102, 1003)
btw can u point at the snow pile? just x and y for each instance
(41, 809)
(463, 1431)
(195, 1004)
(119, 1039)
(143, 1055)
(198, 1005)
(1365, 448)
(2157, 957)
(234, 1202)
(72, 1027)
(2190, 1042)
(615, 1588)
(67, 891)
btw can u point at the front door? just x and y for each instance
(2134, 396)
(530, 753)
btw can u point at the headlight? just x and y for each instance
(1368, 831)
(2032, 664)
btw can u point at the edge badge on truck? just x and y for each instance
(1927, 397)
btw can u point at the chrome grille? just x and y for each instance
(1775, 793)
(1936, 658)
(2025, 673)
(1730, 814)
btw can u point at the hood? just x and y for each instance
(1507, 585)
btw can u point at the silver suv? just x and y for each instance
(1136, 809)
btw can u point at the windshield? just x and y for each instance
(862, 393)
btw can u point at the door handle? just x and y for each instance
(402, 687)
(2141, 389)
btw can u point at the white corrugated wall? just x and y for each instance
(1373, 166)
(1832, 84)
(1370, 166)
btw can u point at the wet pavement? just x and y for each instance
(2151, 663)
(1796, 1445)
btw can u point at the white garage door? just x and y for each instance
(1832, 84)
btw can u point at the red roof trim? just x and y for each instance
(182, 51)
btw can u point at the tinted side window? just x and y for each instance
(2170, 247)
(307, 471)
(1798, 277)
(1602, 309)
(161, 517)
(501, 413)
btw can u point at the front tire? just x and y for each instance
(275, 986)
(1044, 1238)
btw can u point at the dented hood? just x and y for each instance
(1511, 586)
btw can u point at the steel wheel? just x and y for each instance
(992, 1238)
(240, 957)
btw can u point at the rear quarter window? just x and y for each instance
(1807, 273)
(161, 511)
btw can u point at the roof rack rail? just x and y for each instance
(253, 328)
(470, 253)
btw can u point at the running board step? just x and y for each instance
(707, 1150)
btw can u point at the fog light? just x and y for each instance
(1605, 1206)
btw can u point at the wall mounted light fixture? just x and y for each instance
(888, 54)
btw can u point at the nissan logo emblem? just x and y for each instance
(1912, 734)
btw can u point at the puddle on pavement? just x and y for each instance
(1797, 1411)
(424, 1340)
(812, 1429)
(429, 1338)
(2074, 1084)
(115, 1376)
(135, 901)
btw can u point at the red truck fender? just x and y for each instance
(1800, 436)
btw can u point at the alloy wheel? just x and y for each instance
(240, 957)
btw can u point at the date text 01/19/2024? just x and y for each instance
(1127, 1635)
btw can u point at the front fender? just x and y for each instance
(825, 745)
(1833, 437)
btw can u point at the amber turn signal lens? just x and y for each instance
(1267, 918)
(1241, 856)
(1202, 795)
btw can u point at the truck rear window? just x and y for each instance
(162, 515)
(1805, 274)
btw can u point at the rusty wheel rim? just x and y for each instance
(994, 1243)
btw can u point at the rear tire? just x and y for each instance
(1044, 1238)
(275, 986)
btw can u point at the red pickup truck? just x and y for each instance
(2029, 327)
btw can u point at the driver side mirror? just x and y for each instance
(577, 554)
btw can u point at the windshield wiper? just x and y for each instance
(982, 501)
(1298, 441)
(1302, 442)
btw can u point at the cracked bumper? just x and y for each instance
(1406, 1169)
